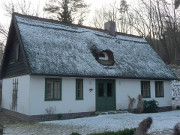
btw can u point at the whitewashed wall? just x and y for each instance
(132, 88)
(22, 97)
(68, 104)
(31, 94)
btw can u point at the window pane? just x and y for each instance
(79, 88)
(109, 89)
(49, 92)
(159, 89)
(57, 89)
(101, 89)
(145, 89)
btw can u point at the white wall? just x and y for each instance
(22, 97)
(68, 104)
(132, 88)
(31, 95)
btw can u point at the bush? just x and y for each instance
(123, 132)
(75, 133)
(59, 116)
(151, 106)
(178, 107)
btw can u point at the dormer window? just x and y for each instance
(103, 56)
(106, 58)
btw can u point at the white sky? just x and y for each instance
(94, 4)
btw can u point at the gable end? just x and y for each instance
(14, 61)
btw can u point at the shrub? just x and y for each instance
(50, 109)
(123, 132)
(59, 116)
(75, 133)
(178, 107)
(151, 106)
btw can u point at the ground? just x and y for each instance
(163, 124)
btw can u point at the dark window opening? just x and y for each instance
(145, 89)
(106, 58)
(79, 89)
(109, 90)
(101, 55)
(101, 90)
(159, 89)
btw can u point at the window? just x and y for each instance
(109, 90)
(52, 89)
(145, 89)
(100, 89)
(79, 89)
(159, 89)
(106, 58)
(103, 56)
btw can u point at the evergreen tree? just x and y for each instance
(65, 15)
(177, 3)
(67, 11)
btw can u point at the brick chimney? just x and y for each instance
(110, 26)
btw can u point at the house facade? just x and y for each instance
(50, 67)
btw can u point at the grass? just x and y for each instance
(123, 132)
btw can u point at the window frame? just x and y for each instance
(149, 83)
(159, 89)
(53, 79)
(79, 98)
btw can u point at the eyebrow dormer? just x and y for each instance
(106, 58)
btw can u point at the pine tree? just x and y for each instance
(65, 15)
(67, 11)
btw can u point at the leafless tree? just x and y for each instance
(118, 12)
(158, 22)
(21, 6)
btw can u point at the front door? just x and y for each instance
(105, 95)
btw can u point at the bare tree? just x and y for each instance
(117, 12)
(98, 19)
(21, 6)
(157, 22)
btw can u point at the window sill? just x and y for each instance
(146, 97)
(79, 99)
(52, 100)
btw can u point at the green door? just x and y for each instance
(105, 95)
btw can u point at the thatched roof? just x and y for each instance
(53, 48)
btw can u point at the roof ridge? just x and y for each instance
(72, 25)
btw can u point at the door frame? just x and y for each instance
(104, 80)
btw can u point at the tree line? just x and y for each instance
(158, 21)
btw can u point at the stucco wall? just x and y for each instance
(132, 88)
(31, 95)
(68, 104)
(22, 95)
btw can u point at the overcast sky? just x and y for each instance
(94, 5)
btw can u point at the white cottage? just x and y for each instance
(76, 70)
